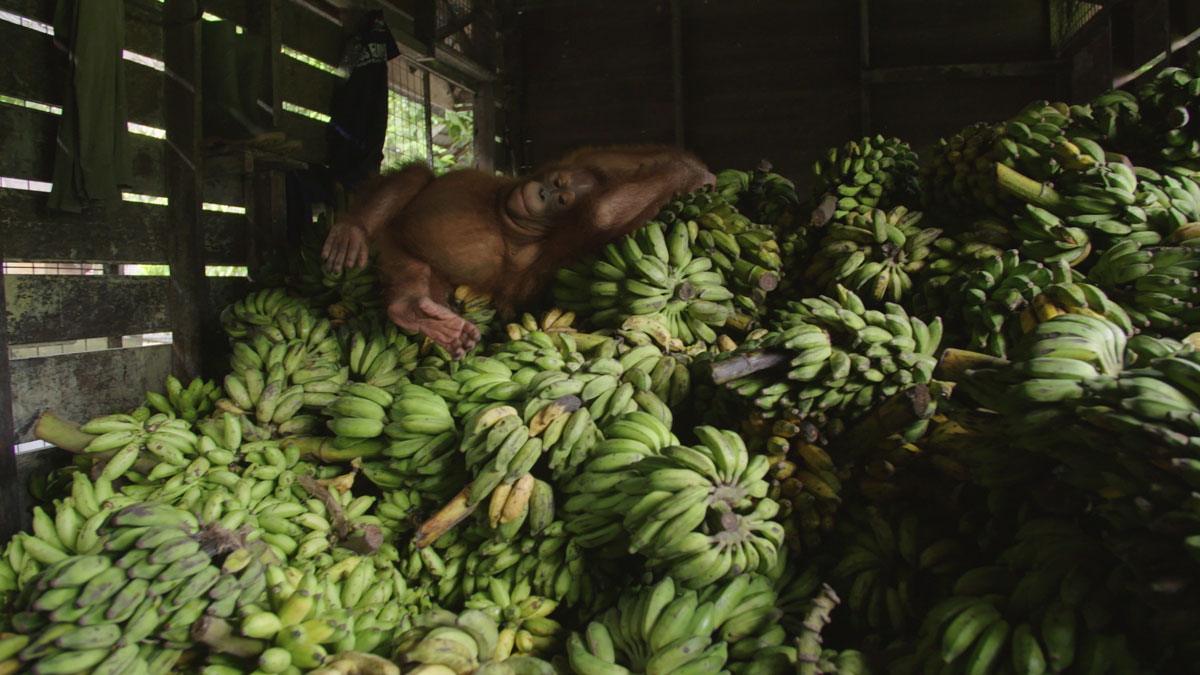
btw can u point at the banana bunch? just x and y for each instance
(1074, 297)
(867, 174)
(310, 359)
(259, 308)
(1053, 617)
(499, 450)
(595, 502)
(553, 321)
(1166, 100)
(1112, 119)
(382, 358)
(188, 403)
(1175, 203)
(878, 571)
(805, 481)
(527, 499)
(1058, 362)
(523, 618)
(961, 178)
(549, 562)
(444, 642)
(764, 196)
(813, 659)
(474, 306)
(419, 447)
(845, 358)
(701, 512)
(168, 444)
(401, 510)
(483, 380)
(151, 575)
(988, 297)
(656, 630)
(875, 254)
(650, 271)
(440, 569)
(1154, 285)
(311, 613)
(360, 411)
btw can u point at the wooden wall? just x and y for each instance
(774, 79)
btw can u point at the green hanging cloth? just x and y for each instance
(91, 162)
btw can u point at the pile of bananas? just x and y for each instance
(875, 253)
(148, 577)
(844, 358)
(571, 496)
(871, 173)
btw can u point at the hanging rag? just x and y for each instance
(92, 161)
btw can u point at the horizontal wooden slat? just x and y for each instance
(46, 308)
(310, 33)
(84, 385)
(306, 86)
(33, 157)
(310, 133)
(50, 308)
(38, 74)
(127, 232)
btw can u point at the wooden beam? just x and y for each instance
(10, 515)
(187, 295)
(263, 19)
(83, 385)
(960, 71)
(425, 84)
(677, 70)
(864, 65)
(49, 307)
(123, 232)
(485, 127)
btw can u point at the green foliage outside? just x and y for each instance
(405, 140)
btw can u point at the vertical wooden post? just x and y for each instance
(10, 487)
(485, 127)
(426, 86)
(677, 70)
(187, 294)
(263, 20)
(864, 63)
(114, 341)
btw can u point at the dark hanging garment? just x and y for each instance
(91, 162)
(359, 114)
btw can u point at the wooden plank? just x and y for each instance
(128, 232)
(187, 296)
(84, 385)
(144, 33)
(39, 73)
(310, 33)
(51, 308)
(46, 308)
(9, 487)
(950, 31)
(32, 158)
(306, 86)
(224, 188)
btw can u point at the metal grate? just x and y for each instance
(1067, 17)
(451, 123)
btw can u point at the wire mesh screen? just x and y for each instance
(451, 119)
(1067, 17)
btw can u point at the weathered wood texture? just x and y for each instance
(187, 294)
(127, 232)
(35, 161)
(47, 308)
(764, 79)
(98, 382)
(9, 487)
